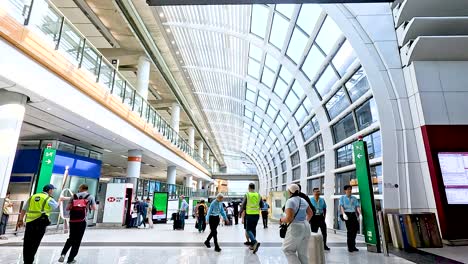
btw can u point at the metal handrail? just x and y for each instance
(133, 100)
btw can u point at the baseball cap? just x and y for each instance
(48, 187)
(293, 188)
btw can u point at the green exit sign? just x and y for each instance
(366, 195)
(47, 166)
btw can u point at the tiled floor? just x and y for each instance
(459, 253)
(163, 245)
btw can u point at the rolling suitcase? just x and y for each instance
(177, 225)
(316, 252)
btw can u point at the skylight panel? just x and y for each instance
(313, 62)
(308, 17)
(279, 29)
(328, 35)
(296, 45)
(259, 20)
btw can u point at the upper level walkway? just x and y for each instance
(46, 58)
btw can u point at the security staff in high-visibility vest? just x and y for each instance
(252, 204)
(37, 209)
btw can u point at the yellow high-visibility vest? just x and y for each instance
(253, 203)
(38, 204)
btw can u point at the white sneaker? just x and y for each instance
(71, 262)
(61, 259)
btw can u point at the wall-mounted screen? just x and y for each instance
(454, 168)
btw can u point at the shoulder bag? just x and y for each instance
(284, 227)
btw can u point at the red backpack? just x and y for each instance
(79, 208)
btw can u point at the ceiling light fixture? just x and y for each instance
(173, 42)
(177, 52)
(168, 30)
(48, 109)
(123, 156)
(107, 150)
(181, 61)
(161, 14)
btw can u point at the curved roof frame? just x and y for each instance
(284, 61)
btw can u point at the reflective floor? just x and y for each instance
(163, 245)
(199, 255)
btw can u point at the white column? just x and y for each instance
(191, 137)
(188, 181)
(175, 117)
(133, 166)
(171, 175)
(12, 108)
(143, 75)
(200, 149)
(200, 185)
(207, 156)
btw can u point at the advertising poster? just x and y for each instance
(454, 168)
(115, 203)
(160, 200)
(172, 207)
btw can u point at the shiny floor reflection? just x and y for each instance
(188, 255)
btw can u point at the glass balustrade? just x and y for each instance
(46, 20)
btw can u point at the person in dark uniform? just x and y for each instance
(235, 206)
(318, 219)
(37, 209)
(350, 212)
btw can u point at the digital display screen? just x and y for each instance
(160, 203)
(454, 168)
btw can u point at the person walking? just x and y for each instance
(78, 206)
(37, 210)
(298, 214)
(6, 212)
(318, 219)
(142, 213)
(252, 204)
(149, 212)
(265, 209)
(183, 210)
(235, 206)
(201, 216)
(242, 215)
(350, 212)
(214, 212)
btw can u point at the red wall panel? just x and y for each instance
(446, 138)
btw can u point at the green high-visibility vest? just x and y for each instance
(253, 203)
(38, 204)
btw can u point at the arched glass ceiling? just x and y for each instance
(260, 72)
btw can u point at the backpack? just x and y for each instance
(201, 210)
(79, 208)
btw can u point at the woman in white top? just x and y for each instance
(298, 214)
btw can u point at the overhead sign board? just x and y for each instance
(249, 2)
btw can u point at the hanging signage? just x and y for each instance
(249, 2)
(366, 195)
(47, 166)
